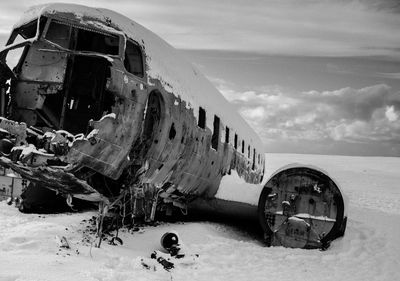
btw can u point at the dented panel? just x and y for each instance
(44, 63)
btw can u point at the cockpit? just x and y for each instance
(58, 72)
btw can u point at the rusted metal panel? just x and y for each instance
(44, 63)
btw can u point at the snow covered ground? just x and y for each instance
(368, 251)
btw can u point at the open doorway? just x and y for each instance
(85, 96)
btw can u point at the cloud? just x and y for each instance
(354, 116)
(395, 75)
(309, 27)
(391, 114)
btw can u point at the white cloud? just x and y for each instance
(255, 114)
(354, 116)
(395, 75)
(307, 118)
(391, 114)
(309, 27)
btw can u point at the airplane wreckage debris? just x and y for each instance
(102, 110)
(301, 207)
(171, 243)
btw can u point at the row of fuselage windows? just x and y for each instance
(251, 153)
(134, 64)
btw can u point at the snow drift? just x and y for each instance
(368, 251)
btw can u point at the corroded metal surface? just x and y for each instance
(85, 119)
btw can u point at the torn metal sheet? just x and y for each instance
(55, 179)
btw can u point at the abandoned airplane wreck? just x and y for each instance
(96, 107)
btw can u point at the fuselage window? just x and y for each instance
(202, 118)
(29, 30)
(227, 134)
(254, 159)
(96, 42)
(59, 34)
(243, 146)
(236, 141)
(215, 136)
(133, 59)
(15, 57)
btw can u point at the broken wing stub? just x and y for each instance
(42, 158)
(39, 157)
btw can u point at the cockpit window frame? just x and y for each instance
(74, 24)
(16, 31)
(23, 43)
(11, 44)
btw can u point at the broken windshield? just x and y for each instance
(82, 38)
(19, 38)
(23, 33)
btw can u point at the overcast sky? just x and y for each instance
(309, 76)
